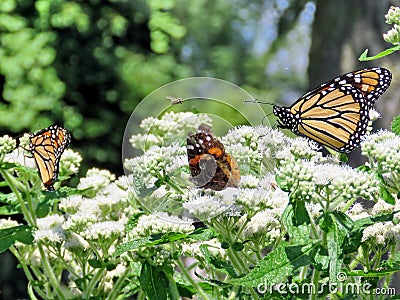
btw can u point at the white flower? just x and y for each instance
(350, 183)
(252, 198)
(160, 223)
(71, 204)
(76, 241)
(263, 222)
(70, 162)
(374, 115)
(393, 15)
(154, 164)
(381, 207)
(50, 229)
(393, 35)
(303, 148)
(18, 156)
(169, 128)
(249, 181)
(358, 211)
(7, 144)
(89, 212)
(384, 148)
(298, 177)
(104, 230)
(96, 179)
(377, 233)
(193, 249)
(7, 223)
(209, 206)
(114, 194)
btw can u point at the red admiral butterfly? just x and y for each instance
(210, 166)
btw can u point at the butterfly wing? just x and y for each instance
(336, 114)
(337, 118)
(47, 147)
(371, 82)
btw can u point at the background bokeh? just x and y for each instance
(87, 64)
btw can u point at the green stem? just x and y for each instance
(12, 184)
(118, 285)
(93, 282)
(50, 274)
(315, 281)
(200, 292)
(348, 205)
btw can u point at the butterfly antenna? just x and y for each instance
(276, 124)
(258, 101)
(266, 116)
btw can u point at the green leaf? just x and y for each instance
(364, 57)
(153, 282)
(221, 265)
(396, 125)
(296, 220)
(386, 195)
(364, 168)
(203, 234)
(95, 263)
(7, 210)
(8, 198)
(277, 265)
(21, 233)
(237, 246)
(199, 234)
(334, 239)
(321, 259)
(372, 273)
(383, 191)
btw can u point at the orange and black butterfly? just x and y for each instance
(47, 146)
(210, 166)
(336, 114)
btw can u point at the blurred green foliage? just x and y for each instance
(86, 64)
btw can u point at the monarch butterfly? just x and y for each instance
(47, 146)
(336, 114)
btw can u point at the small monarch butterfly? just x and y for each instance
(336, 114)
(47, 146)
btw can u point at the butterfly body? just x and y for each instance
(210, 166)
(336, 114)
(47, 146)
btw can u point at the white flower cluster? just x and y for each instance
(307, 180)
(193, 249)
(164, 131)
(70, 162)
(264, 222)
(88, 219)
(346, 182)
(259, 148)
(96, 179)
(7, 223)
(382, 233)
(159, 222)
(7, 144)
(393, 17)
(209, 205)
(156, 163)
(384, 148)
(49, 229)
(298, 178)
